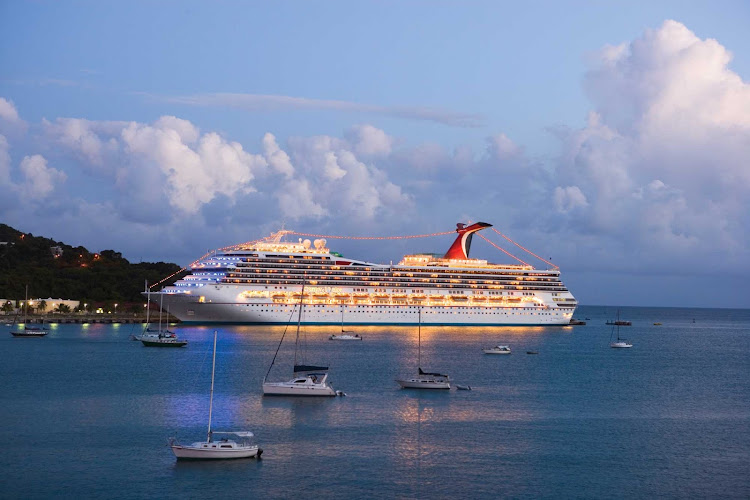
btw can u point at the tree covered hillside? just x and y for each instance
(54, 269)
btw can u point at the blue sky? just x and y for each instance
(612, 136)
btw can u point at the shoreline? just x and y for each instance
(65, 319)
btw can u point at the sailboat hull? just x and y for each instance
(164, 343)
(424, 383)
(214, 451)
(35, 333)
(620, 345)
(292, 389)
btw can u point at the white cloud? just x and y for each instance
(663, 159)
(569, 198)
(10, 122)
(370, 141)
(40, 180)
(4, 161)
(8, 111)
(193, 168)
(275, 157)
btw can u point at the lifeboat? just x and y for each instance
(459, 298)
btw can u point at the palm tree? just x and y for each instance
(42, 306)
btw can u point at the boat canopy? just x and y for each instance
(421, 372)
(244, 434)
(309, 369)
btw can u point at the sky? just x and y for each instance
(611, 137)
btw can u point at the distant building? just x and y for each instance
(56, 251)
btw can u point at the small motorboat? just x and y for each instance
(498, 349)
(532, 352)
(657, 324)
(463, 387)
(345, 336)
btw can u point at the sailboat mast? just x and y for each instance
(419, 348)
(299, 321)
(161, 304)
(25, 306)
(148, 302)
(211, 402)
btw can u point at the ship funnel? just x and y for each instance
(460, 248)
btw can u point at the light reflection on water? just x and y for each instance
(670, 418)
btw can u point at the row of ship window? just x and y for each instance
(426, 310)
(539, 287)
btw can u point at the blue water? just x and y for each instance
(86, 413)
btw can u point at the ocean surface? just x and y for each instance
(86, 412)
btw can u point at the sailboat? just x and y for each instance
(216, 450)
(162, 337)
(424, 380)
(28, 331)
(620, 343)
(307, 380)
(345, 335)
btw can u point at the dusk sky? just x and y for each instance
(610, 136)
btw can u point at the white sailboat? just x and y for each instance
(424, 380)
(345, 335)
(162, 337)
(619, 343)
(216, 450)
(307, 380)
(29, 331)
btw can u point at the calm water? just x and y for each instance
(86, 413)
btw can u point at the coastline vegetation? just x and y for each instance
(53, 269)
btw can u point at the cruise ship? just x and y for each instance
(261, 283)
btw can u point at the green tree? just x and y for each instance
(42, 306)
(7, 307)
(63, 308)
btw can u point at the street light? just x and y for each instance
(115, 309)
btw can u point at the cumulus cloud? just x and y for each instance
(8, 111)
(4, 161)
(40, 180)
(369, 141)
(663, 158)
(191, 169)
(10, 122)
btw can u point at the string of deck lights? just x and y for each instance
(504, 250)
(165, 279)
(328, 236)
(525, 249)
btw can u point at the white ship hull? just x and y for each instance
(223, 307)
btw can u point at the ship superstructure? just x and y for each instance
(261, 283)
